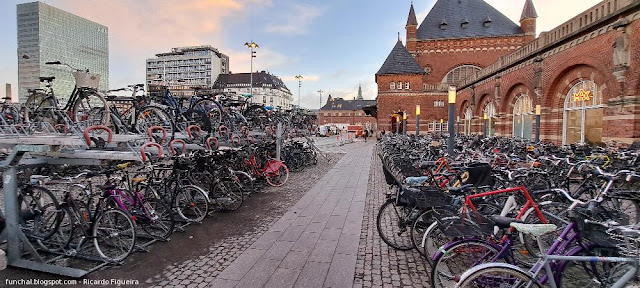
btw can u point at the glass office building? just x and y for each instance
(46, 33)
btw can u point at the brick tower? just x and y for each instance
(528, 21)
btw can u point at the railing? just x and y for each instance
(591, 16)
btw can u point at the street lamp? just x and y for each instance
(320, 92)
(452, 116)
(484, 121)
(251, 47)
(458, 123)
(404, 123)
(299, 77)
(538, 108)
(398, 124)
(417, 120)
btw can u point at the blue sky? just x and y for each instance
(333, 44)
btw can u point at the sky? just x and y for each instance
(334, 44)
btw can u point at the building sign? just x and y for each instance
(582, 95)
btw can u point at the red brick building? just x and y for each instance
(338, 111)
(584, 75)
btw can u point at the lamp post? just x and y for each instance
(251, 47)
(398, 124)
(458, 123)
(417, 120)
(320, 92)
(404, 123)
(452, 115)
(299, 77)
(538, 108)
(484, 124)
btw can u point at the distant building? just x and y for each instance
(268, 89)
(186, 67)
(338, 111)
(46, 33)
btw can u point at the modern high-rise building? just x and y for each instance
(186, 67)
(46, 33)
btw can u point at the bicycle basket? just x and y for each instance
(425, 197)
(479, 175)
(594, 233)
(86, 79)
(469, 224)
(630, 248)
(388, 177)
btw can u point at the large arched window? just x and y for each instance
(468, 116)
(489, 119)
(583, 112)
(523, 117)
(460, 73)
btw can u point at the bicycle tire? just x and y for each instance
(103, 232)
(403, 243)
(162, 227)
(232, 192)
(508, 272)
(212, 111)
(277, 170)
(149, 116)
(35, 200)
(84, 111)
(191, 203)
(63, 234)
(441, 268)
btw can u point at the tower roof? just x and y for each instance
(400, 61)
(529, 10)
(359, 93)
(453, 14)
(412, 20)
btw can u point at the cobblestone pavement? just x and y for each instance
(315, 243)
(378, 264)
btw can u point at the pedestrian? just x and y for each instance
(365, 134)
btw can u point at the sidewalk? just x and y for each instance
(315, 244)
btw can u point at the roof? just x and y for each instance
(529, 11)
(260, 79)
(400, 61)
(412, 20)
(452, 13)
(341, 104)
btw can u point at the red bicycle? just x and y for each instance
(274, 171)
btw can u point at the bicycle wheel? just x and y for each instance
(228, 195)
(393, 226)
(211, 110)
(589, 274)
(114, 235)
(161, 223)
(62, 235)
(433, 238)
(91, 109)
(277, 173)
(39, 210)
(192, 203)
(154, 116)
(458, 258)
(39, 107)
(499, 276)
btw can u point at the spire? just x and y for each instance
(359, 92)
(529, 10)
(412, 20)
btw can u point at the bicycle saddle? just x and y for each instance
(534, 229)
(47, 79)
(504, 222)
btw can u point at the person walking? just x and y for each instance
(365, 134)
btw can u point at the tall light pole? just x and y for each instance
(417, 120)
(404, 123)
(320, 92)
(299, 77)
(538, 108)
(251, 47)
(452, 116)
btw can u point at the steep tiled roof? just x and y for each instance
(260, 79)
(529, 11)
(412, 20)
(351, 105)
(454, 12)
(400, 61)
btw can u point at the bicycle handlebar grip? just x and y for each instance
(235, 140)
(154, 128)
(154, 144)
(222, 127)
(209, 142)
(97, 127)
(173, 150)
(193, 127)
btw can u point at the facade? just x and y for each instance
(456, 39)
(46, 33)
(338, 111)
(268, 89)
(186, 67)
(583, 74)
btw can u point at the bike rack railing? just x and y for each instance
(98, 141)
(157, 128)
(212, 139)
(183, 149)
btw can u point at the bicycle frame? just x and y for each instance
(468, 203)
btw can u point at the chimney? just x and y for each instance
(8, 87)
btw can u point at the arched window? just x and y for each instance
(468, 116)
(489, 119)
(460, 73)
(523, 117)
(583, 112)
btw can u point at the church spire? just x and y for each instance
(412, 20)
(359, 92)
(529, 11)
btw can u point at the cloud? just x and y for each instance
(266, 59)
(295, 22)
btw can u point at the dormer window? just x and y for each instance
(465, 23)
(443, 25)
(487, 21)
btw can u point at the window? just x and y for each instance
(326, 113)
(468, 117)
(406, 85)
(392, 86)
(438, 103)
(460, 73)
(490, 121)
(583, 112)
(523, 117)
(399, 85)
